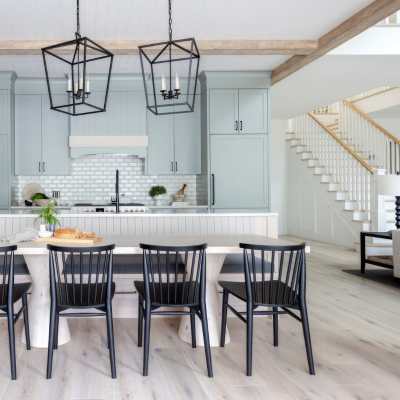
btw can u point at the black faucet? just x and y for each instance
(117, 191)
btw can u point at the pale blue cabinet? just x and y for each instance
(224, 111)
(5, 117)
(28, 134)
(55, 134)
(160, 150)
(4, 171)
(41, 137)
(240, 111)
(187, 139)
(174, 143)
(237, 171)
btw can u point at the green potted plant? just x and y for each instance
(157, 193)
(48, 217)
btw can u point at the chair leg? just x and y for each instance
(140, 322)
(193, 326)
(307, 338)
(249, 340)
(206, 339)
(275, 321)
(50, 349)
(146, 348)
(110, 341)
(11, 342)
(225, 297)
(56, 324)
(26, 321)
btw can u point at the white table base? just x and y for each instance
(39, 304)
(213, 269)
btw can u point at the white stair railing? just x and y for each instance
(352, 175)
(368, 139)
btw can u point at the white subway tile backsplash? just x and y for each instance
(93, 179)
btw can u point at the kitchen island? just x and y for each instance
(222, 230)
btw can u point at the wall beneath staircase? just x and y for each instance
(312, 211)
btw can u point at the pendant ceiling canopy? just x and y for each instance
(76, 60)
(170, 71)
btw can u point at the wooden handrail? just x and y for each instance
(367, 96)
(344, 145)
(379, 127)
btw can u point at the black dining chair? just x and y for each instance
(10, 293)
(275, 277)
(174, 277)
(81, 278)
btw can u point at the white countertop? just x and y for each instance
(151, 214)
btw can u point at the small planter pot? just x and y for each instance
(160, 200)
(51, 227)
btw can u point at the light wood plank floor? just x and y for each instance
(355, 327)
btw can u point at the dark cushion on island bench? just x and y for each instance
(20, 267)
(233, 264)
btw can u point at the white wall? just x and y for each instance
(278, 172)
(392, 124)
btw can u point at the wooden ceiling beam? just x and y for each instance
(359, 22)
(218, 47)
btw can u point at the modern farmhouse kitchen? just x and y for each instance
(199, 200)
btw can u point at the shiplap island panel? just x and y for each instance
(258, 223)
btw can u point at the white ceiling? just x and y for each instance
(391, 112)
(333, 78)
(147, 19)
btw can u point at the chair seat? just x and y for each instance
(281, 294)
(182, 295)
(19, 290)
(83, 296)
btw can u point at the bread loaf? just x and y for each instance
(66, 233)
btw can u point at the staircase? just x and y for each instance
(346, 148)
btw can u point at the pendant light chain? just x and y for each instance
(78, 25)
(170, 20)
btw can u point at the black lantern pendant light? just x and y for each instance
(76, 59)
(170, 70)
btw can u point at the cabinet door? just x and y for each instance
(223, 109)
(28, 134)
(160, 150)
(238, 171)
(187, 140)
(253, 111)
(55, 133)
(5, 112)
(5, 160)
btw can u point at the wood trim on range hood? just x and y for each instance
(108, 141)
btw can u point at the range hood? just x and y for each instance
(85, 145)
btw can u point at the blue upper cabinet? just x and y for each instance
(253, 108)
(5, 162)
(174, 143)
(28, 134)
(160, 152)
(224, 111)
(238, 111)
(5, 107)
(55, 134)
(41, 134)
(187, 139)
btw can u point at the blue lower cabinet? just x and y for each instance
(238, 171)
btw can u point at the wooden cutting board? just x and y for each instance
(53, 240)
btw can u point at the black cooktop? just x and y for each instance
(108, 205)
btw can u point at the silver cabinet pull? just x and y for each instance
(241, 125)
(44, 167)
(176, 166)
(236, 128)
(40, 166)
(213, 189)
(172, 166)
